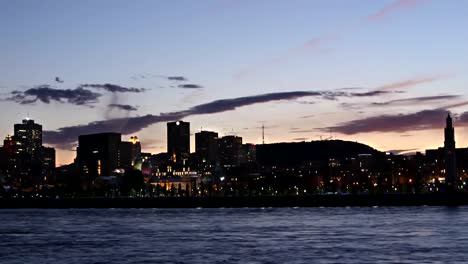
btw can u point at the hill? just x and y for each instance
(294, 153)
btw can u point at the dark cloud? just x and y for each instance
(305, 102)
(113, 88)
(416, 100)
(410, 83)
(463, 118)
(189, 86)
(300, 139)
(177, 78)
(66, 135)
(302, 131)
(460, 104)
(46, 94)
(123, 107)
(427, 119)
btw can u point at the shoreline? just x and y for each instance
(455, 199)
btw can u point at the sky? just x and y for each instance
(381, 72)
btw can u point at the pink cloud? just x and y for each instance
(410, 82)
(400, 4)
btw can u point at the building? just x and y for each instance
(450, 156)
(48, 159)
(28, 137)
(178, 141)
(98, 154)
(136, 149)
(230, 150)
(248, 153)
(206, 146)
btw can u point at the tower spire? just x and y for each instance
(450, 157)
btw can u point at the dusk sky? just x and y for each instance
(381, 72)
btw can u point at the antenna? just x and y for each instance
(263, 134)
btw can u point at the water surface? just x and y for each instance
(269, 235)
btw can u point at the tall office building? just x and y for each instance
(129, 153)
(178, 141)
(28, 137)
(450, 158)
(98, 154)
(48, 159)
(206, 145)
(230, 150)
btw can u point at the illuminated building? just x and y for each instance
(98, 154)
(248, 153)
(129, 153)
(230, 150)
(206, 145)
(48, 159)
(450, 158)
(178, 141)
(28, 137)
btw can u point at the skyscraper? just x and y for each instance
(206, 145)
(28, 137)
(230, 150)
(178, 141)
(450, 158)
(98, 154)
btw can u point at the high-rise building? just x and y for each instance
(136, 149)
(206, 146)
(248, 153)
(230, 150)
(178, 141)
(98, 154)
(48, 159)
(450, 158)
(28, 137)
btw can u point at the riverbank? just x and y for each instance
(239, 202)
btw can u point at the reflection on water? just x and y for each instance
(271, 235)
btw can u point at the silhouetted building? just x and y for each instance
(48, 159)
(98, 154)
(450, 158)
(206, 146)
(230, 150)
(248, 153)
(178, 141)
(28, 137)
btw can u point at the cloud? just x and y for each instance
(123, 107)
(113, 88)
(300, 139)
(400, 4)
(189, 86)
(66, 135)
(303, 131)
(409, 83)
(454, 105)
(177, 78)
(305, 102)
(318, 43)
(416, 100)
(463, 118)
(423, 120)
(401, 151)
(46, 94)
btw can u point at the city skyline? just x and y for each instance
(384, 73)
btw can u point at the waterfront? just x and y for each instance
(243, 235)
